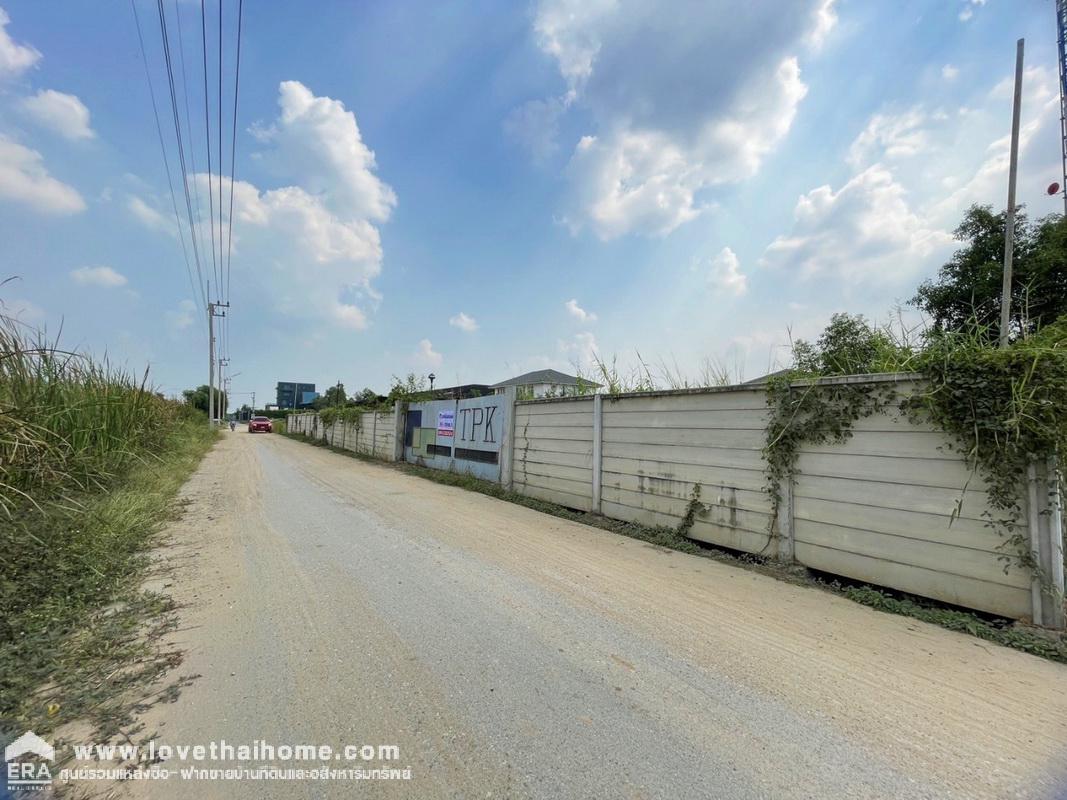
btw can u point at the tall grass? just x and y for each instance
(68, 423)
(90, 459)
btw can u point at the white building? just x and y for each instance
(546, 383)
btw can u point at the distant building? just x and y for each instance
(295, 395)
(463, 392)
(546, 383)
(762, 379)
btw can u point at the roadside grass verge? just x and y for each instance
(1009, 633)
(90, 462)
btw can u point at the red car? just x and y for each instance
(260, 424)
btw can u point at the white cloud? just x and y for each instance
(568, 30)
(62, 113)
(24, 179)
(865, 231)
(14, 58)
(149, 216)
(950, 159)
(426, 355)
(968, 9)
(98, 276)
(464, 322)
(581, 350)
(318, 235)
(318, 141)
(535, 126)
(678, 102)
(889, 136)
(578, 312)
(949, 72)
(725, 275)
(22, 310)
(338, 256)
(825, 21)
(1038, 143)
(183, 317)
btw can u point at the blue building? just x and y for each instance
(295, 395)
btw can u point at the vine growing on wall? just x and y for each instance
(1001, 407)
(1004, 407)
(346, 414)
(813, 413)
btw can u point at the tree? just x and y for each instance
(198, 399)
(967, 291)
(368, 397)
(849, 346)
(410, 388)
(334, 396)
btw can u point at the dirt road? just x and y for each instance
(512, 654)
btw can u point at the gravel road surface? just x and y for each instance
(512, 654)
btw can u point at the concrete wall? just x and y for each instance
(467, 436)
(895, 505)
(373, 434)
(880, 508)
(656, 450)
(553, 451)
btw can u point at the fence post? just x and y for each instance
(507, 440)
(786, 549)
(373, 434)
(1034, 526)
(399, 423)
(1053, 540)
(598, 450)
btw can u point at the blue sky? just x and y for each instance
(484, 188)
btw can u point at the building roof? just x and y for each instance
(461, 392)
(766, 378)
(550, 376)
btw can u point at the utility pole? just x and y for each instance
(253, 406)
(213, 310)
(1009, 219)
(224, 387)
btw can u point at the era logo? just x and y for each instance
(27, 772)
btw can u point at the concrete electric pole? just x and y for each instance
(213, 310)
(1009, 218)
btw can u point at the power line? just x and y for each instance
(163, 150)
(233, 141)
(207, 134)
(222, 285)
(178, 132)
(188, 125)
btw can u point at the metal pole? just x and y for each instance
(211, 364)
(1061, 41)
(1009, 220)
(224, 387)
